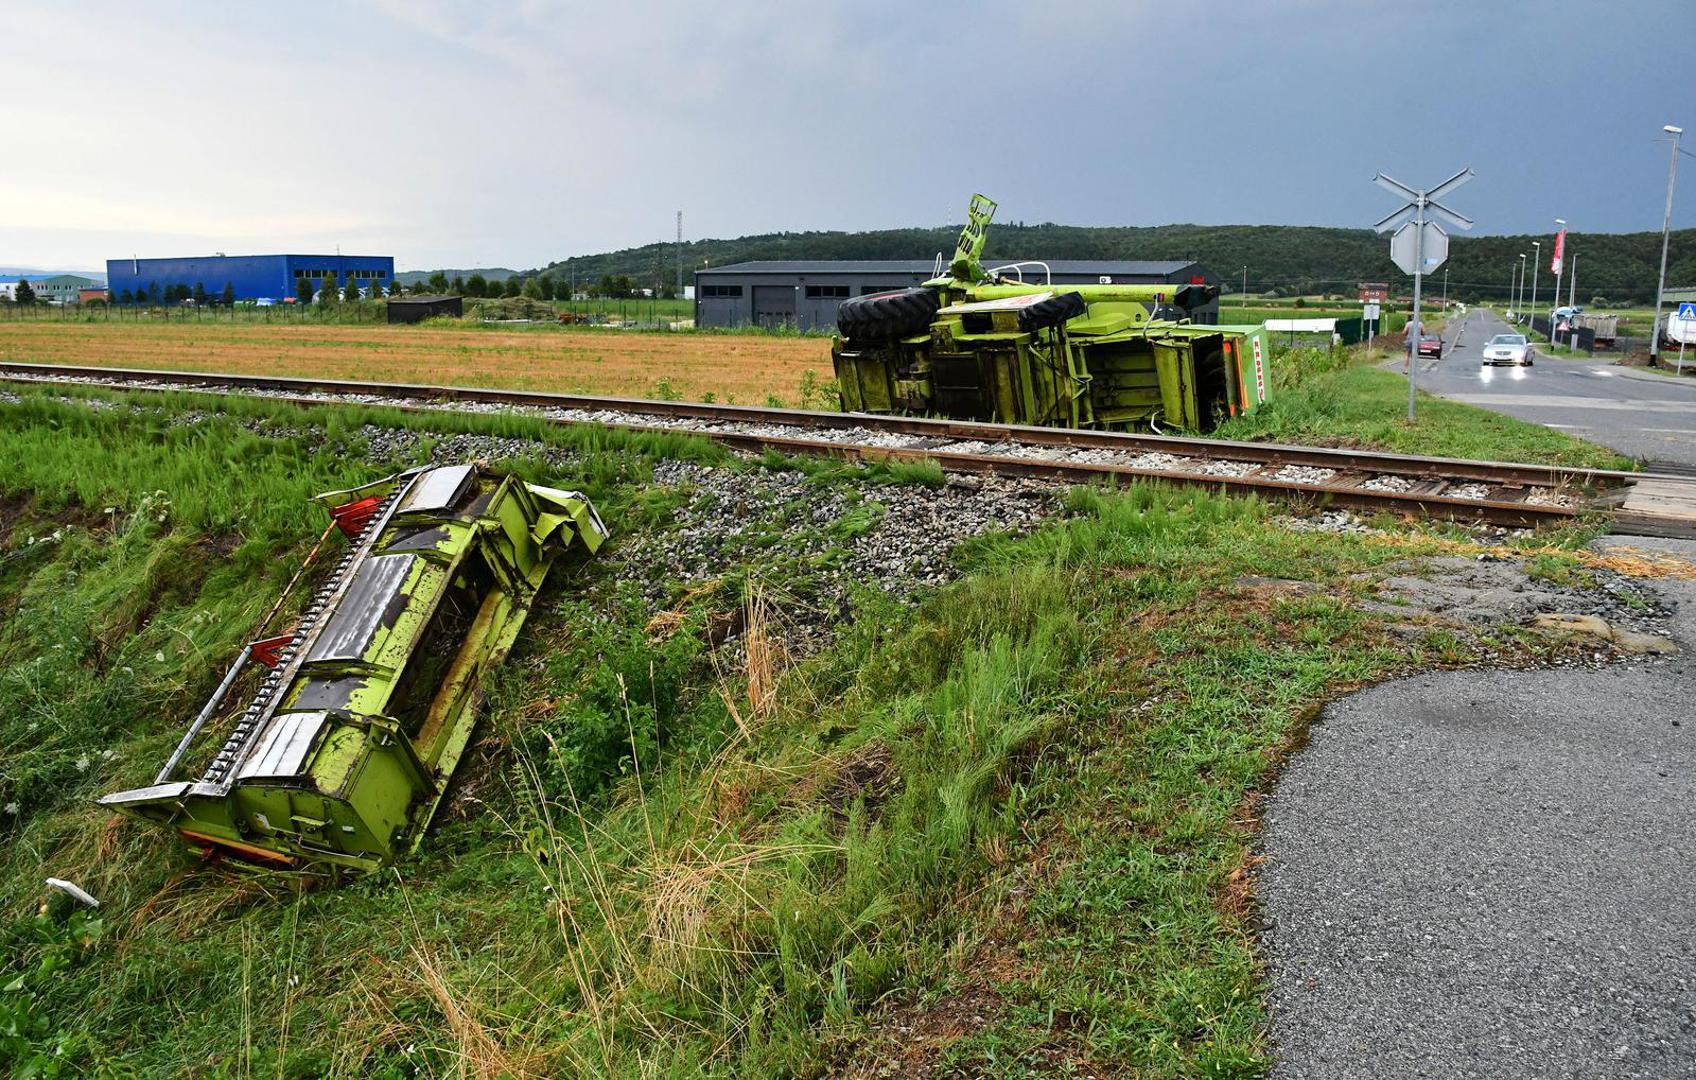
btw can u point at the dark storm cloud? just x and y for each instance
(465, 133)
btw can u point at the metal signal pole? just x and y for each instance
(1531, 308)
(1666, 227)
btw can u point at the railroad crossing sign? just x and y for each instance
(1433, 248)
(1416, 243)
(1687, 310)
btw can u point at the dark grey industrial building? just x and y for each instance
(804, 294)
(413, 309)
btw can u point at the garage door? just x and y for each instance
(774, 306)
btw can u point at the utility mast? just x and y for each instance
(680, 254)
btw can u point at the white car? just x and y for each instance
(1508, 349)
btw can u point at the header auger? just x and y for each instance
(347, 745)
(977, 344)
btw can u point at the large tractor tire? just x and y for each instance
(1057, 309)
(887, 315)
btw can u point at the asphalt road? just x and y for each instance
(1492, 874)
(1636, 413)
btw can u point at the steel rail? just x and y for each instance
(1271, 454)
(1266, 456)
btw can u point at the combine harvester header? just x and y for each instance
(343, 753)
(987, 345)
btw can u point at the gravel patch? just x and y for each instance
(819, 543)
(1304, 474)
(1485, 592)
(1387, 483)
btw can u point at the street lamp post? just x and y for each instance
(1513, 283)
(1531, 308)
(1245, 287)
(1666, 227)
(1519, 305)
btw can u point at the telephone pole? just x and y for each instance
(680, 254)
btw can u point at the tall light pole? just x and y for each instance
(1572, 283)
(1445, 287)
(1245, 287)
(1531, 308)
(1519, 307)
(1513, 282)
(1666, 227)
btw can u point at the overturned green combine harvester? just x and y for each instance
(344, 751)
(976, 344)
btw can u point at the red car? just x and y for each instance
(1429, 344)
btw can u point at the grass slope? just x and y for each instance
(1338, 398)
(1004, 832)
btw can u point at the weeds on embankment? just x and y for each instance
(1007, 831)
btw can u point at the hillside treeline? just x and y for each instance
(1288, 259)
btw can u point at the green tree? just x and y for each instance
(229, 297)
(510, 287)
(351, 292)
(549, 290)
(153, 292)
(303, 290)
(531, 290)
(328, 290)
(25, 293)
(126, 297)
(200, 294)
(476, 285)
(457, 286)
(374, 289)
(438, 282)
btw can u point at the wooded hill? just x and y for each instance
(1293, 259)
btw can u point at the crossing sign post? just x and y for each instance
(1686, 313)
(1419, 247)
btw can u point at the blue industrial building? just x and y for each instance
(253, 277)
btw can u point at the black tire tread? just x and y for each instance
(887, 315)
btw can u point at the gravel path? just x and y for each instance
(1492, 874)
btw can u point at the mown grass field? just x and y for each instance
(1004, 831)
(747, 368)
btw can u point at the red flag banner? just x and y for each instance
(1560, 249)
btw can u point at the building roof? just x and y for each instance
(225, 255)
(1096, 267)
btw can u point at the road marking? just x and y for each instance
(1539, 402)
(1603, 374)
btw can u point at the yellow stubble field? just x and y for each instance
(745, 368)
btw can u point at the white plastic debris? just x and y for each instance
(72, 891)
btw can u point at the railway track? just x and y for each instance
(1498, 493)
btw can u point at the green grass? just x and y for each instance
(1338, 399)
(1029, 799)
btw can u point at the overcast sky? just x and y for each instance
(452, 133)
